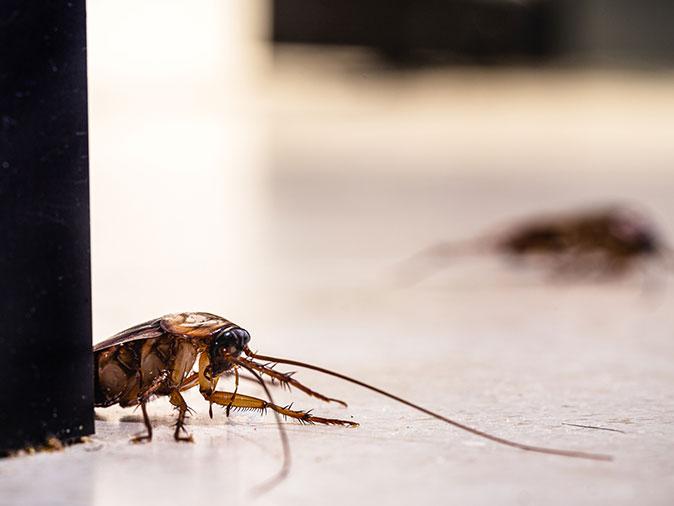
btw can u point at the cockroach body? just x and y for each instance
(606, 242)
(618, 234)
(156, 358)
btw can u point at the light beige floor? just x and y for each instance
(285, 204)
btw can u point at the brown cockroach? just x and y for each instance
(603, 242)
(156, 358)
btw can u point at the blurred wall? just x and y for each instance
(618, 31)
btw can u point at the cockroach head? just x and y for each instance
(226, 343)
(634, 231)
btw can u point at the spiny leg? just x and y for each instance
(179, 402)
(236, 389)
(143, 397)
(191, 381)
(287, 380)
(269, 382)
(148, 426)
(240, 401)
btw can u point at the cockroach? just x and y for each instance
(605, 242)
(157, 358)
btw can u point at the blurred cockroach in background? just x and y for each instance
(601, 243)
(156, 358)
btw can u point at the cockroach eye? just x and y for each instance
(242, 337)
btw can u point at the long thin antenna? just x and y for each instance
(437, 257)
(285, 469)
(500, 440)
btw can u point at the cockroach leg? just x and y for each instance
(286, 379)
(191, 381)
(143, 397)
(271, 382)
(148, 426)
(179, 402)
(236, 389)
(246, 402)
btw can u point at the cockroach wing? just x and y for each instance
(147, 330)
(194, 324)
(179, 324)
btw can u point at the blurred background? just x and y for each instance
(275, 161)
(245, 151)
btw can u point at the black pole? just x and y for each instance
(45, 302)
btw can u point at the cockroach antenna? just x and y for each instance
(485, 435)
(285, 468)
